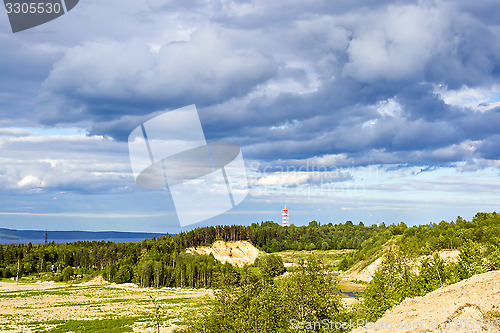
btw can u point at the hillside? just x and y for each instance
(470, 302)
(38, 236)
(365, 269)
(237, 253)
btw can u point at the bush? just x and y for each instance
(469, 260)
(263, 304)
(124, 274)
(66, 274)
(270, 264)
(311, 247)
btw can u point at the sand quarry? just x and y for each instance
(27, 307)
(365, 274)
(237, 253)
(471, 305)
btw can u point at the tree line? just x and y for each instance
(163, 262)
(308, 299)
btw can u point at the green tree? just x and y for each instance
(124, 274)
(469, 260)
(263, 304)
(494, 257)
(270, 264)
(311, 247)
(66, 274)
(312, 293)
(158, 273)
(392, 282)
(145, 273)
(344, 264)
(433, 273)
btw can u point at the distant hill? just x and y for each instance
(38, 236)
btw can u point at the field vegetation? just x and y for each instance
(252, 298)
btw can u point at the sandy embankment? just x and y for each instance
(470, 305)
(236, 253)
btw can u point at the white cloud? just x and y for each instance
(389, 107)
(207, 65)
(102, 215)
(397, 42)
(478, 99)
(30, 182)
(296, 178)
(35, 162)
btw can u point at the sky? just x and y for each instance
(366, 111)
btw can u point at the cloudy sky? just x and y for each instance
(344, 110)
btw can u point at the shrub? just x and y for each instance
(311, 247)
(124, 274)
(270, 264)
(263, 304)
(469, 260)
(66, 274)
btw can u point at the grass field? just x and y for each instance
(50, 307)
(38, 305)
(331, 258)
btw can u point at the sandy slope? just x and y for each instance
(236, 253)
(467, 306)
(366, 274)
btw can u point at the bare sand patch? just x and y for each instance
(237, 253)
(467, 306)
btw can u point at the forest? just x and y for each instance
(163, 262)
(309, 298)
(253, 298)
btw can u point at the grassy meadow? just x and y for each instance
(63, 307)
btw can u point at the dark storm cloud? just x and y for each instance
(490, 149)
(128, 78)
(484, 11)
(288, 79)
(23, 65)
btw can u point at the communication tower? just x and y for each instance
(284, 217)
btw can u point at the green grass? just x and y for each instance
(351, 287)
(330, 257)
(30, 293)
(359, 282)
(100, 308)
(98, 325)
(494, 314)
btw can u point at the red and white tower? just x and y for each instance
(284, 217)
